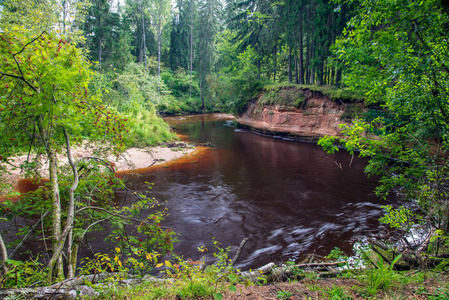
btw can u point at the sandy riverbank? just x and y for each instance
(131, 159)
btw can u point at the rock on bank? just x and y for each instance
(296, 112)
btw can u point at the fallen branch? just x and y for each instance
(76, 288)
(316, 265)
(254, 276)
(271, 272)
(239, 251)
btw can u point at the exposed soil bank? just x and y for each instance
(316, 115)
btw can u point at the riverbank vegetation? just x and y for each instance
(105, 71)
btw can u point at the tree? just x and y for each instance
(45, 80)
(396, 52)
(35, 16)
(159, 10)
(73, 17)
(207, 28)
(108, 36)
(179, 37)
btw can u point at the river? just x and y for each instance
(289, 198)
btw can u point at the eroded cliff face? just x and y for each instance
(316, 117)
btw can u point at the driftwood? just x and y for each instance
(270, 272)
(76, 287)
(412, 257)
(83, 286)
(239, 251)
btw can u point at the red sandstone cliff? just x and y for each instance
(317, 116)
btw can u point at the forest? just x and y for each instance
(105, 72)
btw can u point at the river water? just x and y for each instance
(289, 198)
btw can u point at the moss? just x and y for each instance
(291, 94)
(279, 94)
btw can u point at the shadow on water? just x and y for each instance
(289, 198)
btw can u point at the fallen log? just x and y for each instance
(76, 287)
(271, 273)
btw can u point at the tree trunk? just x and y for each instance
(202, 92)
(64, 15)
(290, 64)
(56, 215)
(144, 50)
(338, 78)
(301, 52)
(275, 59)
(57, 248)
(159, 43)
(296, 70)
(4, 254)
(191, 47)
(73, 259)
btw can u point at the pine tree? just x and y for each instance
(207, 27)
(179, 37)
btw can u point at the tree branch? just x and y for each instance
(4, 253)
(11, 255)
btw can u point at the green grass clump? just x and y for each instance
(281, 94)
(336, 93)
(291, 94)
(148, 129)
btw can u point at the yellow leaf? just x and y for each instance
(159, 265)
(167, 263)
(117, 249)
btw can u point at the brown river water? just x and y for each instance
(288, 197)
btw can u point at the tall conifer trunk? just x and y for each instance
(290, 64)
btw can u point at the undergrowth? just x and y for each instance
(187, 279)
(285, 93)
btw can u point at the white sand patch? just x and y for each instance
(131, 159)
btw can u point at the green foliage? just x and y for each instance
(135, 94)
(295, 272)
(352, 112)
(328, 143)
(22, 273)
(179, 83)
(283, 94)
(337, 254)
(137, 248)
(403, 69)
(238, 82)
(337, 293)
(34, 16)
(336, 93)
(283, 295)
(382, 277)
(441, 294)
(191, 279)
(397, 218)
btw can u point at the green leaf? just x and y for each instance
(218, 296)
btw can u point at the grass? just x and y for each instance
(187, 280)
(291, 94)
(362, 284)
(283, 95)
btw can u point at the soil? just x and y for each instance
(338, 288)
